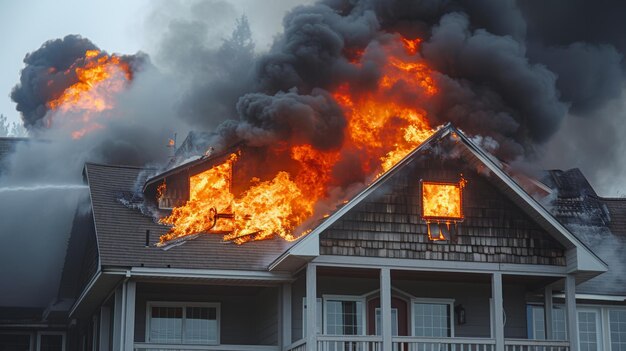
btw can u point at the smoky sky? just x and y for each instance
(502, 70)
(50, 70)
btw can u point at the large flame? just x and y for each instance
(381, 128)
(100, 78)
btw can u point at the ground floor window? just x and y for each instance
(588, 330)
(344, 315)
(536, 323)
(183, 323)
(617, 329)
(432, 318)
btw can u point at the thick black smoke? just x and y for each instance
(49, 71)
(501, 70)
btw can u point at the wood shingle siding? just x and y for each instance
(389, 224)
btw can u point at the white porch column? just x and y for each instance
(385, 307)
(572, 315)
(311, 307)
(117, 319)
(286, 315)
(498, 320)
(547, 310)
(129, 315)
(105, 321)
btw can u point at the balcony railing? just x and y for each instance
(410, 343)
(349, 343)
(140, 346)
(535, 345)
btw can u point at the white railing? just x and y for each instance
(349, 343)
(140, 346)
(410, 343)
(535, 345)
(299, 345)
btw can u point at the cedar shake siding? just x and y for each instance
(389, 223)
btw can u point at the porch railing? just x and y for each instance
(299, 345)
(140, 346)
(409, 343)
(535, 345)
(349, 343)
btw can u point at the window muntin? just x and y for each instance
(617, 329)
(344, 315)
(432, 318)
(183, 323)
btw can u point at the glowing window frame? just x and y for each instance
(460, 184)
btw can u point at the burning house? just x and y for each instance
(355, 195)
(445, 249)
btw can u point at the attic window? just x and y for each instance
(442, 206)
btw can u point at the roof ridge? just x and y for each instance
(118, 166)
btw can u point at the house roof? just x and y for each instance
(121, 232)
(586, 260)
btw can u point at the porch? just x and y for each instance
(484, 311)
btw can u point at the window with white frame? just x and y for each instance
(617, 329)
(183, 323)
(432, 317)
(536, 323)
(589, 329)
(344, 315)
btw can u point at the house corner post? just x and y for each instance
(118, 318)
(286, 315)
(498, 319)
(311, 309)
(572, 315)
(547, 296)
(385, 307)
(129, 315)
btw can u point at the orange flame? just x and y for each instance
(442, 200)
(382, 128)
(99, 79)
(375, 117)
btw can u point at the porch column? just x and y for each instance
(547, 310)
(129, 315)
(311, 307)
(286, 315)
(385, 307)
(572, 315)
(498, 321)
(105, 320)
(117, 319)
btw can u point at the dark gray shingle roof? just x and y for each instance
(121, 232)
